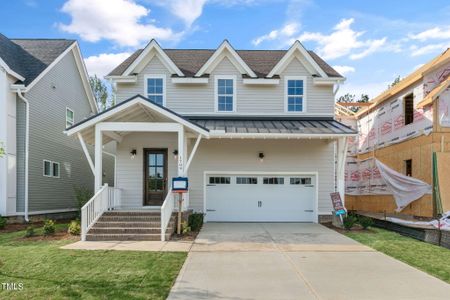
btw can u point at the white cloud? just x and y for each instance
(344, 69)
(437, 33)
(104, 63)
(116, 20)
(422, 50)
(343, 41)
(372, 89)
(186, 10)
(283, 33)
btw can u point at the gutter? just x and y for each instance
(19, 89)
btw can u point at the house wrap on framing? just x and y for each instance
(403, 128)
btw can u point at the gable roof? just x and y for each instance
(234, 57)
(408, 81)
(30, 57)
(190, 61)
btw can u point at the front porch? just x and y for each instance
(155, 145)
(142, 190)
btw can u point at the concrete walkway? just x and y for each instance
(170, 246)
(294, 261)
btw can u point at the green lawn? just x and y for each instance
(429, 258)
(48, 272)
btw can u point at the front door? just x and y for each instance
(155, 176)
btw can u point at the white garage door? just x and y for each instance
(260, 198)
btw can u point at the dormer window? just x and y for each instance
(225, 93)
(155, 88)
(295, 94)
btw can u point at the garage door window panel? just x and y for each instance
(273, 180)
(219, 180)
(246, 180)
(300, 180)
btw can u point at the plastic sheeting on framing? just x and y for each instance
(371, 177)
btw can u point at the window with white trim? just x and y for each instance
(295, 93)
(273, 180)
(225, 94)
(155, 89)
(51, 169)
(70, 117)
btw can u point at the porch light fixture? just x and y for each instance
(133, 153)
(175, 154)
(261, 156)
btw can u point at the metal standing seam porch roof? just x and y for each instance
(271, 125)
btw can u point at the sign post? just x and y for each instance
(338, 206)
(180, 185)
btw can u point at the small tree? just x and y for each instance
(396, 80)
(100, 90)
(351, 98)
(2, 150)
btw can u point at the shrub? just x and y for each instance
(82, 195)
(365, 222)
(30, 231)
(185, 227)
(349, 221)
(195, 221)
(49, 227)
(74, 227)
(2, 222)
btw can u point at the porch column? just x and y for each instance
(98, 157)
(340, 172)
(181, 151)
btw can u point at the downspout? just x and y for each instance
(338, 85)
(27, 133)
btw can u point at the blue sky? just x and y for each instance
(371, 42)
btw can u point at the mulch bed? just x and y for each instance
(356, 228)
(59, 235)
(190, 236)
(22, 226)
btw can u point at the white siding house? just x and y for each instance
(253, 131)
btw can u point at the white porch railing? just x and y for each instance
(105, 199)
(166, 213)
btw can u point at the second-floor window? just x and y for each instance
(155, 89)
(70, 117)
(295, 94)
(226, 94)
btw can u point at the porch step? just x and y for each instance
(136, 218)
(126, 230)
(125, 237)
(129, 225)
(150, 213)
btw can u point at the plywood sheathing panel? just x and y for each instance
(443, 160)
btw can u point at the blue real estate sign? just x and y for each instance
(338, 207)
(180, 184)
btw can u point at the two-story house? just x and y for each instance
(44, 89)
(253, 131)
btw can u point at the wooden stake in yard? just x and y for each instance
(180, 205)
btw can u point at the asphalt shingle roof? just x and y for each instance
(189, 61)
(30, 57)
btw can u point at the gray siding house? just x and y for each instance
(45, 89)
(253, 131)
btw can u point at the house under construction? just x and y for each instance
(404, 132)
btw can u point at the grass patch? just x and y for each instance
(427, 257)
(48, 272)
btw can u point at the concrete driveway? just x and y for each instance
(294, 261)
